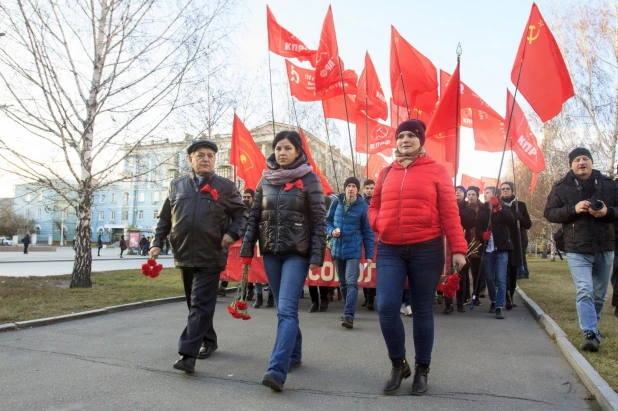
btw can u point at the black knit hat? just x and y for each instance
(202, 143)
(352, 180)
(417, 127)
(579, 151)
(475, 189)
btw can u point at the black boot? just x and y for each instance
(419, 386)
(250, 294)
(323, 305)
(271, 301)
(370, 303)
(448, 309)
(259, 300)
(401, 370)
(314, 307)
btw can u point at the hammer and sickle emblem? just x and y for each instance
(531, 29)
(294, 76)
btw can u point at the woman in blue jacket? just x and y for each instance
(348, 225)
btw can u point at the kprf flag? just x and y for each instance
(336, 108)
(468, 181)
(544, 80)
(302, 83)
(372, 136)
(400, 114)
(410, 70)
(284, 43)
(523, 141)
(316, 169)
(327, 68)
(489, 130)
(246, 155)
(370, 96)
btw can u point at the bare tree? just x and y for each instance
(91, 81)
(588, 36)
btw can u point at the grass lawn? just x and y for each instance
(551, 287)
(27, 298)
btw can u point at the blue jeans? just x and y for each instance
(286, 276)
(347, 273)
(591, 273)
(495, 266)
(422, 264)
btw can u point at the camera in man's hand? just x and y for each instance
(597, 205)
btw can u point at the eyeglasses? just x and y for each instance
(506, 189)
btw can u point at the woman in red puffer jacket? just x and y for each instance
(412, 208)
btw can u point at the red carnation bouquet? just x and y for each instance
(151, 268)
(238, 306)
(450, 284)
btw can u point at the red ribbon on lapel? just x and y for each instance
(213, 192)
(299, 184)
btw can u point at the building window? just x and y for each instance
(101, 215)
(113, 215)
(27, 213)
(102, 198)
(155, 215)
(125, 215)
(224, 172)
(40, 196)
(37, 230)
(140, 197)
(125, 199)
(140, 215)
(114, 198)
(38, 213)
(28, 197)
(155, 197)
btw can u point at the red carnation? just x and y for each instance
(241, 305)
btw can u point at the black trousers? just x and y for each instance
(201, 286)
(26, 248)
(475, 265)
(369, 294)
(313, 292)
(511, 281)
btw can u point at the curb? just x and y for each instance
(87, 314)
(603, 393)
(73, 259)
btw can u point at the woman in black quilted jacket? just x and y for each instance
(289, 218)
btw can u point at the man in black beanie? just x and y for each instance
(585, 203)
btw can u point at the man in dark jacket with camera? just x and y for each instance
(205, 215)
(585, 203)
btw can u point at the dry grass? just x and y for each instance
(552, 288)
(27, 298)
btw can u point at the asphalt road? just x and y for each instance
(124, 361)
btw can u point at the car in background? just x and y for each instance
(6, 241)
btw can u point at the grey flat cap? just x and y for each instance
(202, 143)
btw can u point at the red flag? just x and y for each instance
(376, 163)
(302, 83)
(334, 108)
(522, 140)
(489, 132)
(443, 124)
(284, 43)
(544, 80)
(316, 169)
(246, 155)
(375, 138)
(490, 182)
(370, 96)
(468, 181)
(410, 70)
(327, 67)
(399, 114)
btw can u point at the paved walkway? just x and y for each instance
(124, 361)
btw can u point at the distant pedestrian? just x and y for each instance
(167, 246)
(26, 241)
(144, 245)
(99, 245)
(123, 245)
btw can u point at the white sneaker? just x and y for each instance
(408, 310)
(402, 310)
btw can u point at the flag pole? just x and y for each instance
(367, 130)
(405, 97)
(506, 140)
(457, 114)
(345, 104)
(521, 246)
(272, 101)
(332, 158)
